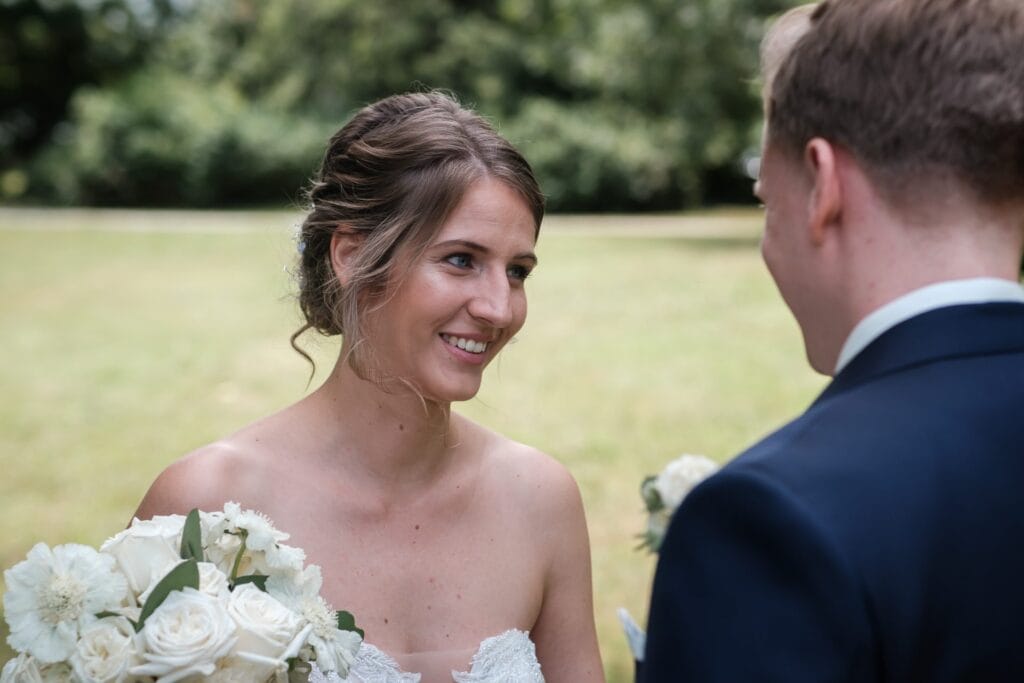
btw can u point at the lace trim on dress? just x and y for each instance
(370, 666)
(506, 658)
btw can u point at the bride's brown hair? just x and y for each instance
(392, 175)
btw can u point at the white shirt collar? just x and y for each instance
(973, 291)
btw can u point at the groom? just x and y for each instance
(880, 535)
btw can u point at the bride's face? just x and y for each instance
(457, 305)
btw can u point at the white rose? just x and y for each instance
(211, 524)
(680, 477)
(147, 550)
(265, 626)
(239, 670)
(212, 581)
(56, 673)
(25, 669)
(105, 651)
(185, 636)
(222, 551)
(21, 669)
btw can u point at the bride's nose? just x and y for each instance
(492, 301)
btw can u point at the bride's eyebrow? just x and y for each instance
(477, 247)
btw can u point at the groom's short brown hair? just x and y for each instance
(914, 89)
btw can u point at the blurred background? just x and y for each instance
(620, 105)
(152, 159)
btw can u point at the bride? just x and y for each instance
(463, 554)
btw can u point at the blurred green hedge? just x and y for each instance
(618, 105)
(160, 139)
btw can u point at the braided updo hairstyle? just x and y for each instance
(392, 175)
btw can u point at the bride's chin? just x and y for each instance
(452, 394)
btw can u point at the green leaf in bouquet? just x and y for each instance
(185, 575)
(192, 538)
(259, 579)
(347, 622)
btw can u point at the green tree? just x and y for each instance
(619, 105)
(49, 49)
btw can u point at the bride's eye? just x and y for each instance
(518, 272)
(460, 260)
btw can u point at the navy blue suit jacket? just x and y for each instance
(878, 537)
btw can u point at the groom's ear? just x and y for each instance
(825, 203)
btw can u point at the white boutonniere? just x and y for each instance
(664, 492)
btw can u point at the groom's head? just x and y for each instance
(878, 110)
(916, 90)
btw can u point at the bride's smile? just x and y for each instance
(453, 308)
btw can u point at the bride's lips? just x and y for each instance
(469, 348)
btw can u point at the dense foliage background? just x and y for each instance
(619, 104)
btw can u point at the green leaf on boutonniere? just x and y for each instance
(259, 579)
(192, 538)
(347, 622)
(649, 492)
(185, 575)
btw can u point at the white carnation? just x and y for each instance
(657, 525)
(186, 636)
(680, 477)
(260, 531)
(265, 553)
(105, 651)
(334, 649)
(284, 558)
(54, 594)
(147, 550)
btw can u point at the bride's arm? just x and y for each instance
(564, 634)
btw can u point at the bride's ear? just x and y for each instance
(345, 244)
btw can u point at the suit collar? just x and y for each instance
(977, 290)
(949, 332)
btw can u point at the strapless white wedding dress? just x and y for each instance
(506, 658)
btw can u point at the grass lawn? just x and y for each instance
(130, 338)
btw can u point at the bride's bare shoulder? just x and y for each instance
(534, 481)
(225, 470)
(202, 479)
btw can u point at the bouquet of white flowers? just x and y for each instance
(214, 596)
(662, 494)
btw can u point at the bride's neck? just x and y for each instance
(385, 436)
